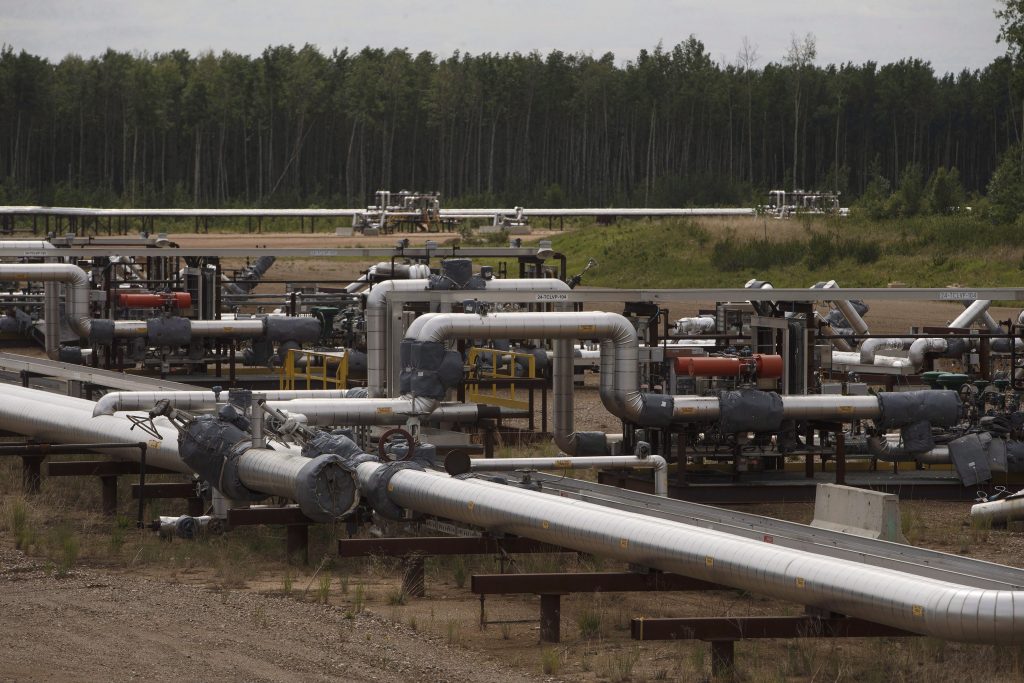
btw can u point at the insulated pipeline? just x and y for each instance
(918, 604)
(378, 374)
(63, 419)
(117, 401)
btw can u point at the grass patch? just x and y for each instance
(550, 661)
(928, 251)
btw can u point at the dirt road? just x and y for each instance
(96, 625)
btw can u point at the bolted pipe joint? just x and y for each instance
(326, 488)
(211, 446)
(376, 488)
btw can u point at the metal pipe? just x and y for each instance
(838, 343)
(971, 313)
(377, 361)
(229, 329)
(922, 346)
(869, 348)
(295, 213)
(51, 319)
(77, 280)
(849, 312)
(117, 401)
(999, 512)
(889, 450)
(63, 419)
(382, 411)
(620, 381)
(457, 465)
(918, 604)
(26, 244)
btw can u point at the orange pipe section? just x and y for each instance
(768, 366)
(150, 300)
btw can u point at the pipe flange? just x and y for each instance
(382, 442)
(377, 489)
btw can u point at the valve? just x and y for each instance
(575, 280)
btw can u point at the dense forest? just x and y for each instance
(296, 127)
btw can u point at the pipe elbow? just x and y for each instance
(921, 347)
(107, 405)
(869, 348)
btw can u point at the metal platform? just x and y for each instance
(69, 372)
(796, 487)
(905, 558)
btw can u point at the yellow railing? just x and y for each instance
(322, 370)
(503, 366)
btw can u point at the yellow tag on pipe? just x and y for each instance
(586, 329)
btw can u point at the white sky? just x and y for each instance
(951, 34)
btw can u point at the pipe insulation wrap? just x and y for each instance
(122, 401)
(63, 419)
(377, 372)
(918, 604)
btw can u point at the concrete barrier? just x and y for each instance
(859, 512)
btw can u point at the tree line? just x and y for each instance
(673, 127)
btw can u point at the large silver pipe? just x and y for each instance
(620, 380)
(869, 348)
(376, 331)
(51, 319)
(377, 362)
(77, 280)
(25, 244)
(837, 341)
(63, 419)
(848, 311)
(118, 401)
(56, 418)
(317, 407)
(971, 313)
(919, 348)
(998, 512)
(922, 605)
(601, 462)
(229, 329)
(889, 450)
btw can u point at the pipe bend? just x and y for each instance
(920, 347)
(869, 348)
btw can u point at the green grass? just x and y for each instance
(933, 251)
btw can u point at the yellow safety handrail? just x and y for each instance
(317, 369)
(500, 369)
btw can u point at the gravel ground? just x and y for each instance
(95, 625)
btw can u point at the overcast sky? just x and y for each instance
(951, 34)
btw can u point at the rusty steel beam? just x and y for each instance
(61, 448)
(761, 491)
(742, 628)
(588, 582)
(101, 468)
(441, 545)
(165, 490)
(266, 515)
